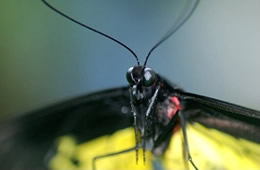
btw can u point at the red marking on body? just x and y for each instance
(173, 110)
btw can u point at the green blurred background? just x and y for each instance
(45, 58)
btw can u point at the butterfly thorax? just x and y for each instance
(151, 102)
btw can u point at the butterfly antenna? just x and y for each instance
(91, 29)
(188, 12)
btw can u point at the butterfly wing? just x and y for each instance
(211, 149)
(25, 141)
(221, 135)
(235, 120)
(37, 139)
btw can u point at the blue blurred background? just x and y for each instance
(46, 58)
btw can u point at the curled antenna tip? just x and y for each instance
(180, 22)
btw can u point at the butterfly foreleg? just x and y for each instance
(186, 143)
(111, 154)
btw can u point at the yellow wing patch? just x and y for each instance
(210, 149)
(124, 139)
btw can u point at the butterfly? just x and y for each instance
(69, 135)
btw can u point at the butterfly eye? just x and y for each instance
(149, 77)
(129, 76)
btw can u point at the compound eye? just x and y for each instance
(129, 76)
(149, 77)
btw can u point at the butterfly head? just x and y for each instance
(142, 81)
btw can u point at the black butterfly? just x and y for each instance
(156, 108)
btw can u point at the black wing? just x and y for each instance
(236, 120)
(26, 140)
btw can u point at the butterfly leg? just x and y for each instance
(147, 114)
(135, 124)
(183, 127)
(112, 154)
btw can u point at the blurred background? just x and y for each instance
(45, 58)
